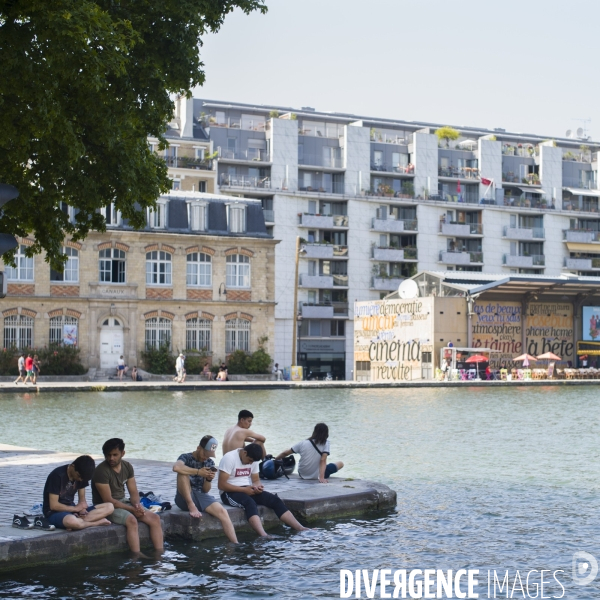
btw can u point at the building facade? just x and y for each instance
(375, 201)
(199, 277)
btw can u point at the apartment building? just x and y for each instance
(375, 201)
(199, 277)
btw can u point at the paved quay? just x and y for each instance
(23, 472)
(206, 386)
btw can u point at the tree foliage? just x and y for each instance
(447, 133)
(82, 85)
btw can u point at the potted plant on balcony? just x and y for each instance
(446, 133)
(568, 155)
(408, 189)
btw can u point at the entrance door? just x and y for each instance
(111, 343)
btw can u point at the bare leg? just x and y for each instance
(133, 537)
(156, 533)
(289, 519)
(76, 523)
(339, 465)
(100, 512)
(185, 489)
(218, 511)
(257, 525)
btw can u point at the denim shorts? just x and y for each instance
(330, 469)
(56, 518)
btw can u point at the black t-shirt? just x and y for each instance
(58, 483)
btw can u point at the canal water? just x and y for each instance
(491, 479)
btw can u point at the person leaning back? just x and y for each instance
(195, 472)
(108, 485)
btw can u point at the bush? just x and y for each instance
(259, 362)
(57, 359)
(8, 362)
(236, 365)
(195, 361)
(158, 361)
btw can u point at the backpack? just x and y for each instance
(269, 468)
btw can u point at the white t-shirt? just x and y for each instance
(121, 362)
(309, 458)
(21, 365)
(179, 364)
(239, 473)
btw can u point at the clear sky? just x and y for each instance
(525, 65)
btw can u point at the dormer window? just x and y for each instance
(157, 216)
(236, 218)
(197, 216)
(111, 215)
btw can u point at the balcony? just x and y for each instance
(188, 162)
(587, 264)
(397, 169)
(322, 221)
(524, 202)
(394, 254)
(394, 225)
(584, 206)
(522, 261)
(581, 236)
(321, 282)
(325, 251)
(385, 284)
(250, 155)
(459, 172)
(325, 162)
(316, 311)
(461, 229)
(523, 233)
(580, 184)
(529, 179)
(269, 215)
(460, 258)
(244, 181)
(526, 151)
(323, 188)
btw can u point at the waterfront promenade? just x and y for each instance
(23, 472)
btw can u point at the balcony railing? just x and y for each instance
(524, 202)
(527, 151)
(252, 154)
(458, 257)
(584, 236)
(393, 254)
(386, 284)
(524, 260)
(584, 206)
(582, 263)
(530, 179)
(580, 184)
(327, 162)
(584, 157)
(233, 123)
(269, 216)
(340, 280)
(461, 229)
(393, 225)
(188, 162)
(322, 221)
(459, 172)
(407, 170)
(245, 181)
(322, 188)
(388, 138)
(325, 250)
(523, 233)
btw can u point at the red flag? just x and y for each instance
(486, 181)
(458, 187)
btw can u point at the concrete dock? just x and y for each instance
(23, 472)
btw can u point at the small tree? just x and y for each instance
(159, 360)
(236, 363)
(274, 114)
(447, 133)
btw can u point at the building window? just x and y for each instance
(237, 335)
(69, 211)
(158, 267)
(71, 271)
(202, 186)
(236, 218)
(18, 332)
(200, 153)
(112, 266)
(64, 330)
(338, 328)
(24, 269)
(198, 335)
(197, 216)
(111, 215)
(158, 332)
(157, 216)
(176, 186)
(199, 269)
(238, 271)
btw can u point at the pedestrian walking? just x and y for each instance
(21, 368)
(36, 368)
(29, 368)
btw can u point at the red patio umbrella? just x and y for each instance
(477, 358)
(549, 356)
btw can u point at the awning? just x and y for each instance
(580, 192)
(580, 247)
(532, 191)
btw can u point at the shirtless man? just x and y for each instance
(236, 436)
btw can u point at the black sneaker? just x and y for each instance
(22, 522)
(43, 524)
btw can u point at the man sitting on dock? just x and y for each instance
(195, 472)
(108, 485)
(59, 497)
(236, 436)
(240, 486)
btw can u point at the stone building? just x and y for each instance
(200, 276)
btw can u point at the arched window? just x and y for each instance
(18, 332)
(23, 271)
(238, 271)
(158, 332)
(237, 335)
(158, 268)
(199, 269)
(64, 330)
(112, 265)
(71, 271)
(198, 333)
